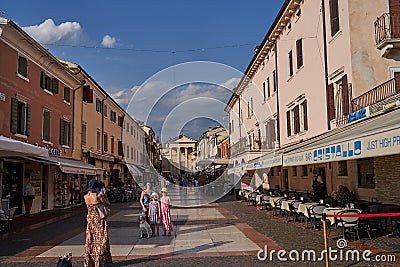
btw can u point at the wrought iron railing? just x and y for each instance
(387, 27)
(377, 94)
(239, 146)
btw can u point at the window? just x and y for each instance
(84, 134)
(120, 120)
(112, 144)
(334, 14)
(289, 27)
(99, 105)
(23, 66)
(132, 154)
(64, 132)
(298, 13)
(105, 110)
(271, 171)
(98, 140)
(365, 169)
(248, 109)
(270, 134)
(113, 116)
(268, 87)
(288, 123)
(20, 117)
(120, 150)
(342, 168)
(296, 119)
(339, 98)
(87, 94)
(265, 96)
(251, 106)
(127, 127)
(303, 116)
(105, 142)
(131, 130)
(127, 152)
(274, 80)
(294, 170)
(46, 126)
(304, 171)
(299, 53)
(67, 94)
(290, 63)
(48, 83)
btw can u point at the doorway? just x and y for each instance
(285, 182)
(321, 171)
(13, 184)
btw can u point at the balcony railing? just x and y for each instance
(387, 27)
(256, 145)
(239, 146)
(377, 94)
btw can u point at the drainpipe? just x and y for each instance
(73, 112)
(325, 62)
(102, 131)
(278, 130)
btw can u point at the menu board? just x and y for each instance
(35, 181)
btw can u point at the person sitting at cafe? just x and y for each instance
(343, 196)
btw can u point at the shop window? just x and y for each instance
(46, 126)
(294, 170)
(20, 117)
(342, 168)
(23, 66)
(304, 170)
(365, 169)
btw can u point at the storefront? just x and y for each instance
(265, 170)
(64, 181)
(359, 155)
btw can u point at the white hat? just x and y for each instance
(164, 190)
(155, 195)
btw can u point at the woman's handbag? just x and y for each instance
(103, 211)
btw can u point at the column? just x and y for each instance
(179, 157)
(186, 158)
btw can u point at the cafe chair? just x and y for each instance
(277, 208)
(252, 199)
(266, 203)
(293, 210)
(348, 225)
(316, 215)
(7, 219)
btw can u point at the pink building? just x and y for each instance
(334, 63)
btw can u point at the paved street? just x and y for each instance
(226, 232)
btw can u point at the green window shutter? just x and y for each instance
(67, 93)
(42, 80)
(62, 131)
(67, 133)
(46, 125)
(28, 120)
(14, 115)
(23, 66)
(54, 85)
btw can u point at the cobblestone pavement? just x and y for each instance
(260, 227)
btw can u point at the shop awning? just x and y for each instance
(134, 170)
(213, 161)
(70, 165)
(14, 148)
(269, 160)
(372, 137)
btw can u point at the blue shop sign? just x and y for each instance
(344, 150)
(359, 114)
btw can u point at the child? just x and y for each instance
(165, 212)
(154, 214)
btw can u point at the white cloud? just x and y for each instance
(49, 33)
(108, 41)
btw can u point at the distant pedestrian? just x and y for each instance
(97, 246)
(154, 214)
(165, 205)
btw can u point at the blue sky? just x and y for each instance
(124, 43)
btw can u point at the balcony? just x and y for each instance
(258, 144)
(387, 32)
(384, 91)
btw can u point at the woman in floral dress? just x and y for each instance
(166, 213)
(154, 214)
(97, 247)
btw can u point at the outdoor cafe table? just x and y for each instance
(335, 210)
(286, 204)
(303, 208)
(273, 199)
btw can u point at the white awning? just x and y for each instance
(14, 148)
(372, 137)
(134, 170)
(70, 165)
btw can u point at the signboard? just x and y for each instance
(74, 170)
(381, 144)
(34, 180)
(358, 115)
(266, 163)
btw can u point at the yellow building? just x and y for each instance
(97, 131)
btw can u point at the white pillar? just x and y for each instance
(179, 157)
(186, 158)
